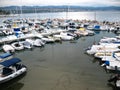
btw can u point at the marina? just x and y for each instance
(62, 64)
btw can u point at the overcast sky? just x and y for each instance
(60, 2)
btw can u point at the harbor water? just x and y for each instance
(65, 65)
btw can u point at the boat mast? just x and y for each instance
(21, 9)
(67, 11)
(95, 15)
(35, 12)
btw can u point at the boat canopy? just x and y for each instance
(97, 27)
(5, 55)
(10, 62)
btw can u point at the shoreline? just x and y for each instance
(11, 15)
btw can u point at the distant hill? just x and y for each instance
(33, 9)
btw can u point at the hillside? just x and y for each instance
(38, 9)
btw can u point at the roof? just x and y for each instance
(10, 62)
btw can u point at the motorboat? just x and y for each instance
(102, 54)
(8, 48)
(64, 36)
(96, 28)
(112, 64)
(114, 55)
(83, 31)
(10, 69)
(27, 44)
(5, 56)
(48, 39)
(115, 79)
(108, 41)
(17, 46)
(36, 42)
(101, 48)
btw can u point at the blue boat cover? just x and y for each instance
(10, 62)
(107, 63)
(16, 29)
(5, 55)
(97, 27)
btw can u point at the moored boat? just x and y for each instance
(102, 48)
(11, 69)
(5, 56)
(8, 48)
(17, 46)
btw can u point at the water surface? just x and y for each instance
(62, 66)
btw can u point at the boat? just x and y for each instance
(17, 46)
(10, 69)
(27, 44)
(36, 42)
(83, 31)
(116, 80)
(48, 39)
(110, 40)
(96, 28)
(64, 36)
(101, 48)
(102, 54)
(5, 56)
(111, 64)
(112, 61)
(8, 48)
(111, 56)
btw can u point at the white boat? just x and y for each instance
(8, 48)
(64, 36)
(17, 46)
(114, 55)
(90, 33)
(5, 56)
(116, 80)
(8, 31)
(27, 44)
(36, 42)
(112, 64)
(83, 31)
(102, 54)
(101, 48)
(31, 41)
(48, 39)
(109, 40)
(10, 69)
(40, 41)
(112, 61)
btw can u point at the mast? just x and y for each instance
(67, 11)
(95, 15)
(35, 12)
(21, 9)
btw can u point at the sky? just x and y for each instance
(94, 3)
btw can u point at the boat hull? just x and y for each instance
(13, 75)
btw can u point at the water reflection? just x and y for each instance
(113, 86)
